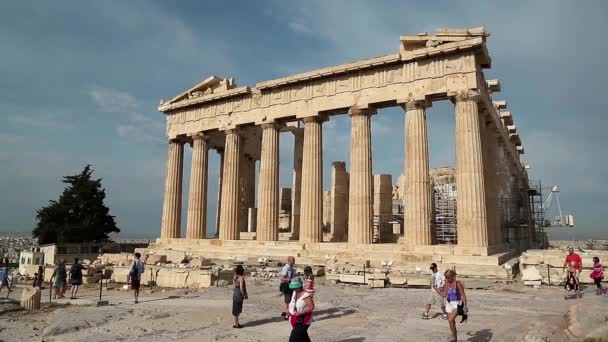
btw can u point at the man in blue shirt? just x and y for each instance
(4, 281)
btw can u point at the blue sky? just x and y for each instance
(80, 83)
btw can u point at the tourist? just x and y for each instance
(58, 279)
(597, 275)
(572, 282)
(135, 272)
(40, 278)
(455, 301)
(309, 280)
(4, 281)
(75, 278)
(239, 294)
(573, 258)
(287, 273)
(435, 298)
(301, 307)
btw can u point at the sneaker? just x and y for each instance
(444, 317)
(424, 315)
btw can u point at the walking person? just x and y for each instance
(301, 307)
(287, 273)
(435, 298)
(4, 281)
(239, 294)
(40, 276)
(455, 301)
(575, 259)
(58, 278)
(597, 275)
(75, 278)
(135, 272)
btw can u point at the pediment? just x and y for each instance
(211, 85)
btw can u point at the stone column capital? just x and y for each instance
(466, 95)
(316, 118)
(417, 104)
(353, 111)
(198, 135)
(268, 125)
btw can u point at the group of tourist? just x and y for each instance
(298, 298)
(59, 279)
(573, 265)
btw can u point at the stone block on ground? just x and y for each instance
(199, 262)
(397, 280)
(154, 259)
(376, 283)
(533, 282)
(352, 278)
(531, 273)
(30, 298)
(415, 281)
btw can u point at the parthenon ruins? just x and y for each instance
(243, 124)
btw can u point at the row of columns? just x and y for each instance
(475, 177)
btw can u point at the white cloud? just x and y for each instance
(113, 101)
(138, 128)
(299, 27)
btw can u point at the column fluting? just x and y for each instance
(472, 212)
(360, 197)
(172, 206)
(197, 196)
(417, 219)
(311, 210)
(229, 229)
(298, 145)
(268, 189)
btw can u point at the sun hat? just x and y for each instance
(296, 283)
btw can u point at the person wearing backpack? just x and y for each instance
(75, 278)
(135, 272)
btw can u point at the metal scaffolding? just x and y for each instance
(444, 213)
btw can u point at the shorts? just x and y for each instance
(435, 299)
(451, 306)
(135, 283)
(288, 295)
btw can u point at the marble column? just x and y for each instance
(197, 196)
(268, 189)
(311, 210)
(360, 197)
(298, 145)
(229, 219)
(472, 212)
(489, 142)
(219, 192)
(172, 207)
(418, 209)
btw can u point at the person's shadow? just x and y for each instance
(318, 316)
(484, 335)
(332, 313)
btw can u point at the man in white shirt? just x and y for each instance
(437, 282)
(287, 273)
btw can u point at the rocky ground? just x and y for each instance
(344, 313)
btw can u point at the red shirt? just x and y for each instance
(578, 263)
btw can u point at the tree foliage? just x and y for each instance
(79, 215)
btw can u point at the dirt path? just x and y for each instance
(344, 313)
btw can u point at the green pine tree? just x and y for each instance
(79, 215)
